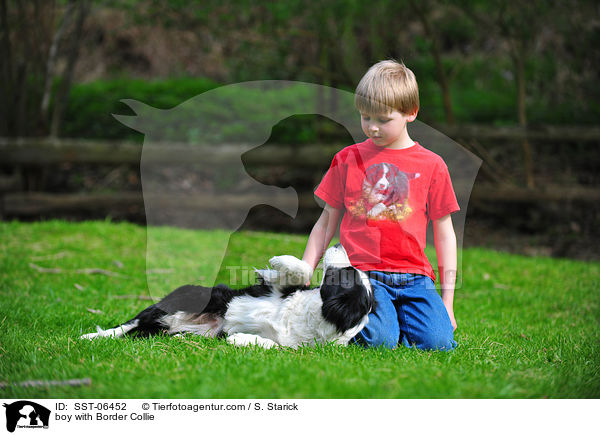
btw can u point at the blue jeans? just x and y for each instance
(409, 311)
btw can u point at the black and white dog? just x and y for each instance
(278, 310)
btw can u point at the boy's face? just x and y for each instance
(387, 130)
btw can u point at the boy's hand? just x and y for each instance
(452, 319)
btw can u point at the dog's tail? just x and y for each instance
(154, 321)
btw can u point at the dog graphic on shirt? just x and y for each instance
(385, 192)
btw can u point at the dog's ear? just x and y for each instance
(345, 298)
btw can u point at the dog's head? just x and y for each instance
(385, 183)
(347, 296)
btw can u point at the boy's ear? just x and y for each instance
(412, 116)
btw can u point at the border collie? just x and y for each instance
(278, 311)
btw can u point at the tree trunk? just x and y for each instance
(62, 96)
(6, 79)
(444, 83)
(437, 59)
(51, 63)
(519, 61)
(352, 56)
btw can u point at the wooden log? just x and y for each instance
(545, 133)
(33, 204)
(44, 151)
(522, 195)
(35, 151)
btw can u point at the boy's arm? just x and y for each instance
(445, 247)
(321, 234)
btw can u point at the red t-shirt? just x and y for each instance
(388, 196)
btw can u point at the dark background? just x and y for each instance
(516, 83)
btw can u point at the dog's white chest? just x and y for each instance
(288, 321)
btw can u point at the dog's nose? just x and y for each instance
(337, 245)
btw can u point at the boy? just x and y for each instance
(386, 190)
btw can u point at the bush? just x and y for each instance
(91, 105)
(482, 91)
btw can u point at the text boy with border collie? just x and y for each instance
(385, 190)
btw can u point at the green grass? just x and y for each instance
(527, 327)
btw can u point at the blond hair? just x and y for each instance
(388, 85)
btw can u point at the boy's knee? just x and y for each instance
(376, 338)
(434, 341)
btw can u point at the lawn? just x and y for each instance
(527, 327)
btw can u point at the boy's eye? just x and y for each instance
(380, 120)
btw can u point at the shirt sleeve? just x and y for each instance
(331, 188)
(441, 200)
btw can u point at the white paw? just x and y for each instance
(292, 271)
(241, 339)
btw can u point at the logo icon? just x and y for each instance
(26, 414)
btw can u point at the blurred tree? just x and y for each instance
(6, 74)
(30, 42)
(72, 53)
(24, 35)
(424, 10)
(370, 32)
(51, 64)
(518, 25)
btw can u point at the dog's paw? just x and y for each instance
(292, 271)
(285, 262)
(242, 340)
